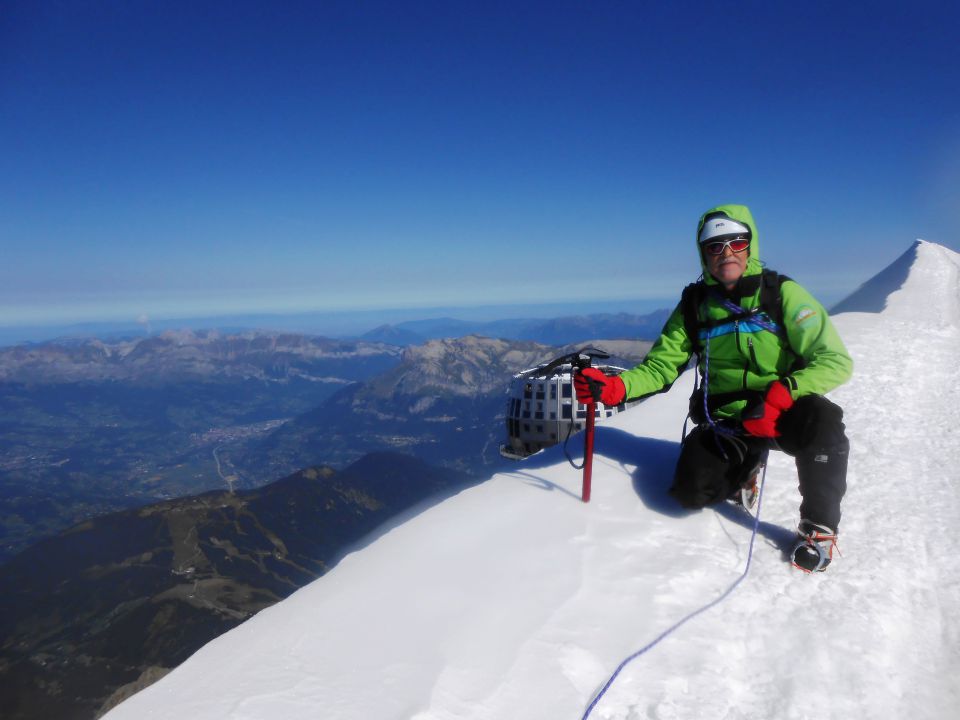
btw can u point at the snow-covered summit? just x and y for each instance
(926, 270)
(514, 600)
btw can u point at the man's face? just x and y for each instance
(728, 266)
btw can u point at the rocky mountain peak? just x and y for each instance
(470, 365)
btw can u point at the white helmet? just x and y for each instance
(718, 227)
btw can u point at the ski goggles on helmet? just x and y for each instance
(736, 244)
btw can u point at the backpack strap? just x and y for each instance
(690, 301)
(771, 301)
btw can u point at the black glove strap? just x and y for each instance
(596, 388)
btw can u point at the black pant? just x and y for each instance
(711, 467)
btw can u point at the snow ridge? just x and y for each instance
(515, 600)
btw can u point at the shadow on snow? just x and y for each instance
(655, 461)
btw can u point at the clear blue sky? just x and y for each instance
(196, 158)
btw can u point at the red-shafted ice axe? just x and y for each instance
(578, 361)
(583, 361)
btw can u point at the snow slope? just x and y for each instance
(514, 600)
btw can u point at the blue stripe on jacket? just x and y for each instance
(745, 326)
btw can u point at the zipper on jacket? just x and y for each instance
(753, 354)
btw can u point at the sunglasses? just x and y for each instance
(737, 245)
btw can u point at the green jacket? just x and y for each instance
(742, 356)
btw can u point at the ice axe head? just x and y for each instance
(583, 360)
(585, 357)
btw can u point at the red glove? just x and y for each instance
(777, 400)
(593, 386)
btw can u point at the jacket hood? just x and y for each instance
(740, 213)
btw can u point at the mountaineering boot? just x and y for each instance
(814, 548)
(748, 492)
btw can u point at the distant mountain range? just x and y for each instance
(177, 356)
(89, 427)
(337, 324)
(556, 331)
(111, 605)
(444, 402)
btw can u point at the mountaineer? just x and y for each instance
(767, 353)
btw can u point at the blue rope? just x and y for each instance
(718, 430)
(691, 616)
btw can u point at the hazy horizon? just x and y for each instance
(191, 159)
(343, 323)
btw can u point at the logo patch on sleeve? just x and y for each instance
(805, 316)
